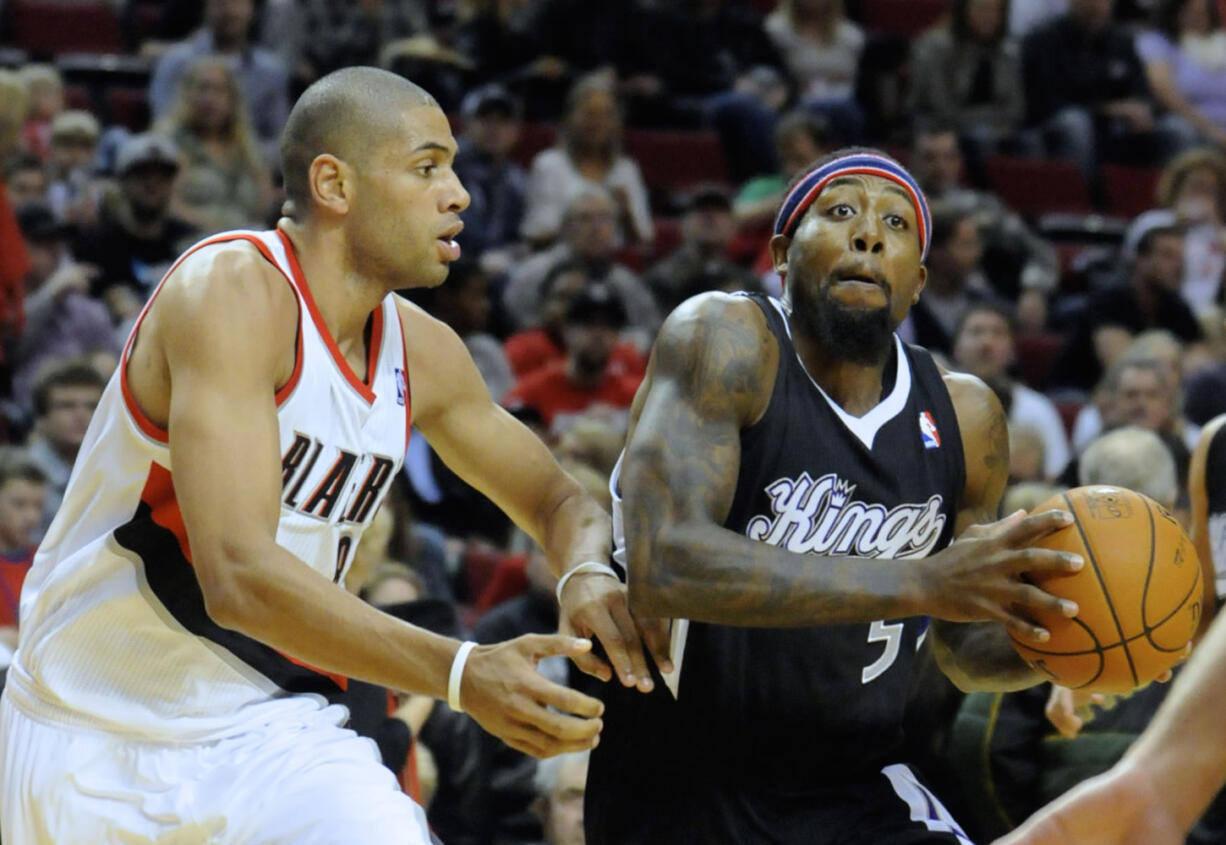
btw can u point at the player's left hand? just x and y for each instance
(1068, 710)
(596, 605)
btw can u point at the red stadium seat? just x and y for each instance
(1035, 186)
(1036, 353)
(1069, 409)
(533, 137)
(906, 18)
(673, 161)
(77, 97)
(64, 26)
(1130, 190)
(128, 107)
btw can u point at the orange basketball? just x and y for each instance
(1139, 593)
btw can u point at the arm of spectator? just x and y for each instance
(932, 95)
(41, 305)
(1162, 82)
(631, 195)
(1199, 481)
(1110, 341)
(165, 81)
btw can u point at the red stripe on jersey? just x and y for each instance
(376, 336)
(148, 426)
(159, 495)
(408, 383)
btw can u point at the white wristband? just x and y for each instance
(589, 566)
(457, 674)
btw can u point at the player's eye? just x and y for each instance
(896, 221)
(842, 210)
(427, 170)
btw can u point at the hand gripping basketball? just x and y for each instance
(503, 691)
(983, 575)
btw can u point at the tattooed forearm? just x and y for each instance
(712, 371)
(978, 656)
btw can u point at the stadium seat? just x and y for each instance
(906, 18)
(1036, 353)
(51, 27)
(77, 97)
(674, 161)
(533, 137)
(128, 107)
(1130, 190)
(1035, 186)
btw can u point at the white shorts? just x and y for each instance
(301, 781)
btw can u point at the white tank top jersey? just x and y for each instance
(114, 632)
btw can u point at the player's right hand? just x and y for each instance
(980, 576)
(502, 690)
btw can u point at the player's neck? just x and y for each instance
(854, 387)
(344, 297)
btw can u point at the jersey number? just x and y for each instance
(891, 634)
(343, 545)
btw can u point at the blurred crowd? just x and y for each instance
(622, 156)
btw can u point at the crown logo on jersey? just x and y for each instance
(928, 431)
(402, 388)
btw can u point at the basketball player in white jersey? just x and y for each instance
(184, 627)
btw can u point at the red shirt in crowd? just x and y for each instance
(13, 265)
(530, 350)
(550, 391)
(13, 569)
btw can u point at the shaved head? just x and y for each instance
(346, 114)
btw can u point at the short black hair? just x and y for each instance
(72, 373)
(340, 114)
(1146, 243)
(17, 465)
(21, 161)
(991, 305)
(945, 219)
(557, 271)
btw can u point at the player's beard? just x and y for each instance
(855, 335)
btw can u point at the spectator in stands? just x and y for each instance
(495, 184)
(498, 37)
(1192, 195)
(1027, 15)
(561, 783)
(1141, 393)
(13, 258)
(584, 379)
(1027, 454)
(983, 346)
(801, 137)
(1148, 299)
(64, 400)
(968, 74)
(25, 179)
(1185, 62)
(260, 75)
(136, 238)
(721, 73)
(464, 304)
(955, 282)
(1019, 265)
(74, 194)
(821, 50)
(1085, 86)
(531, 349)
(707, 230)
(223, 183)
(588, 154)
(61, 319)
(45, 89)
(589, 235)
(339, 34)
(23, 490)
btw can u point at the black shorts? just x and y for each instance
(890, 808)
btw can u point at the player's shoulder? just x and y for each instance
(422, 330)
(231, 278)
(976, 405)
(732, 326)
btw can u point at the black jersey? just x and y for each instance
(769, 723)
(1215, 494)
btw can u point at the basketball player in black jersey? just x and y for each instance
(808, 492)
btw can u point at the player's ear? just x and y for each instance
(779, 253)
(923, 280)
(331, 183)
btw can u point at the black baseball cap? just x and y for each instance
(597, 305)
(38, 223)
(706, 197)
(490, 99)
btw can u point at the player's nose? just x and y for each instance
(867, 235)
(456, 197)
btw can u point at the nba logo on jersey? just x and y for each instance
(928, 430)
(402, 389)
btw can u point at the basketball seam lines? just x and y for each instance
(1085, 541)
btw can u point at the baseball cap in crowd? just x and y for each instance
(707, 197)
(597, 305)
(38, 223)
(146, 149)
(75, 124)
(489, 100)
